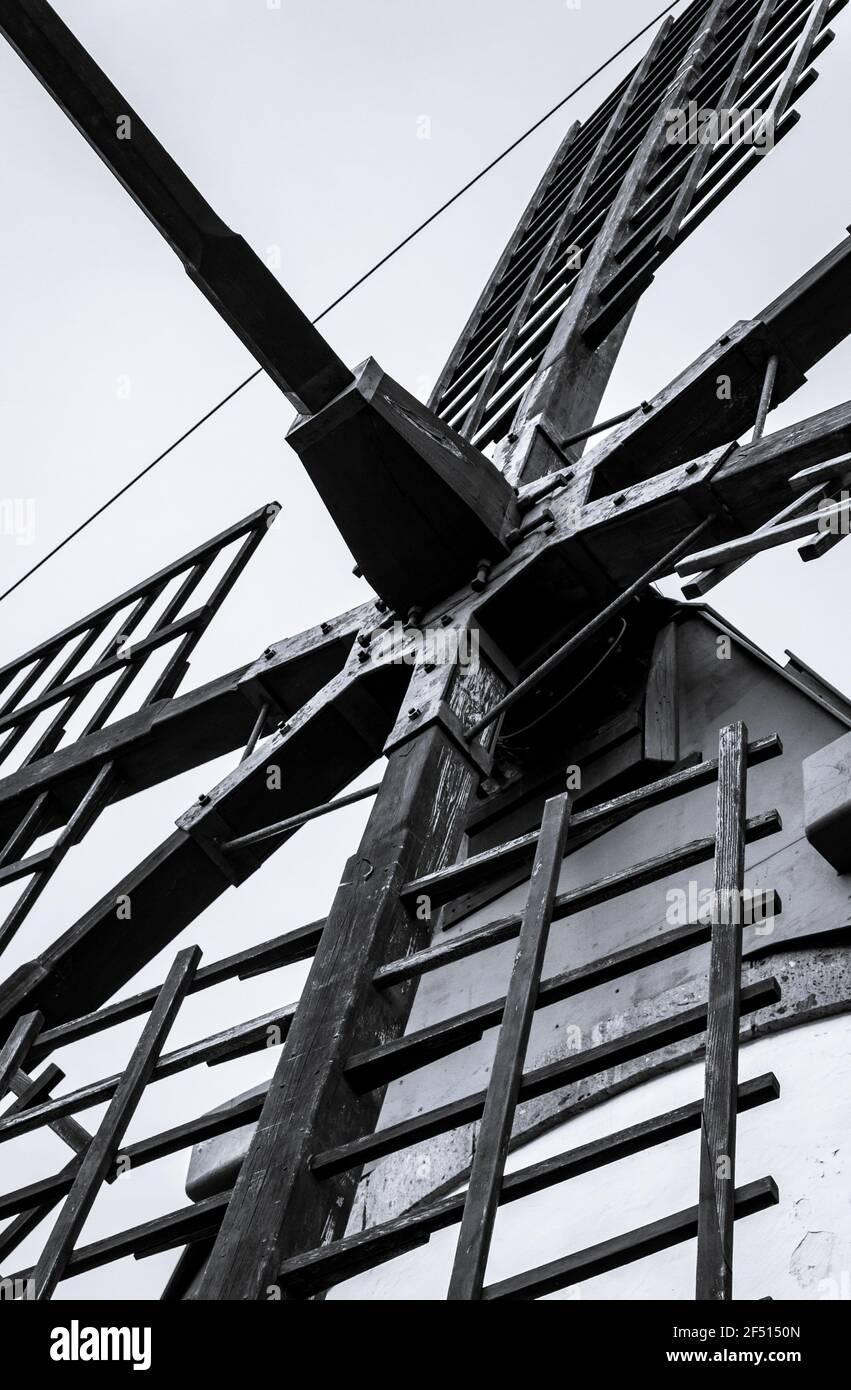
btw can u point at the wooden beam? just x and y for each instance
(483, 1190)
(342, 1259)
(332, 739)
(705, 581)
(539, 1082)
(100, 1154)
(163, 740)
(16, 1047)
(657, 570)
(568, 904)
(417, 821)
(661, 700)
(825, 519)
(718, 1127)
(480, 869)
(223, 266)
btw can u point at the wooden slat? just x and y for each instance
(17, 1046)
(416, 824)
(101, 1152)
(718, 1130)
(299, 944)
(176, 1228)
(590, 172)
(567, 904)
(702, 583)
(798, 60)
(328, 1264)
(699, 161)
(235, 1041)
(389, 1061)
(623, 1250)
(480, 869)
(539, 1082)
(767, 539)
(230, 275)
(482, 1200)
(661, 700)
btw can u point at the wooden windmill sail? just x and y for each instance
(477, 514)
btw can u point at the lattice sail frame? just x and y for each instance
(541, 344)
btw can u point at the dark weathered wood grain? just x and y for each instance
(539, 1082)
(278, 1206)
(718, 1129)
(342, 1259)
(482, 1199)
(567, 904)
(99, 1156)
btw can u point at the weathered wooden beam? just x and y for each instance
(657, 570)
(718, 1127)
(567, 904)
(162, 740)
(332, 739)
(391, 1060)
(480, 869)
(16, 1047)
(176, 1228)
(236, 1041)
(483, 1189)
(231, 276)
(687, 418)
(661, 700)
(416, 823)
(768, 538)
(99, 1156)
(705, 581)
(299, 944)
(342, 1259)
(540, 1082)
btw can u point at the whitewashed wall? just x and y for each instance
(800, 1249)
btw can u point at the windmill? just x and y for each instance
(480, 515)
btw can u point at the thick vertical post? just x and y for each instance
(716, 1213)
(482, 1201)
(280, 1207)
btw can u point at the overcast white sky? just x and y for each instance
(299, 125)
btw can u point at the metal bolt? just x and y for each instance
(269, 653)
(414, 617)
(381, 605)
(326, 626)
(482, 574)
(357, 572)
(283, 726)
(364, 639)
(414, 713)
(446, 620)
(204, 799)
(363, 656)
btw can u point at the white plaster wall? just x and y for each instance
(800, 1249)
(815, 898)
